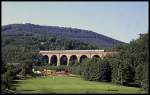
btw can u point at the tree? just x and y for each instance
(115, 66)
(128, 74)
(133, 60)
(105, 71)
(96, 70)
(142, 75)
(27, 68)
(7, 76)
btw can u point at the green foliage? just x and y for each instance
(8, 73)
(3, 68)
(105, 71)
(115, 64)
(26, 68)
(127, 74)
(96, 70)
(142, 75)
(20, 46)
(76, 69)
(133, 61)
(87, 72)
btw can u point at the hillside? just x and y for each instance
(85, 36)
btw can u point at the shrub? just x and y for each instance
(97, 70)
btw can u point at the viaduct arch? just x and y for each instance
(68, 55)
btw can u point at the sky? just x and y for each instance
(123, 21)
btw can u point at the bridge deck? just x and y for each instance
(72, 51)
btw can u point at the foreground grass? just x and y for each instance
(65, 84)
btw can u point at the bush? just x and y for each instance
(97, 70)
(76, 69)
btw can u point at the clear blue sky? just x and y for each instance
(119, 20)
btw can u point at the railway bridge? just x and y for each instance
(66, 57)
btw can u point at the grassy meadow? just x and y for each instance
(65, 84)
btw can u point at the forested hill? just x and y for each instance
(85, 36)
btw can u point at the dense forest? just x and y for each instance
(19, 40)
(128, 67)
(18, 46)
(81, 35)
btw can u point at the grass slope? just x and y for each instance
(64, 84)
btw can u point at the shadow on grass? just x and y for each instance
(16, 82)
(45, 90)
(113, 90)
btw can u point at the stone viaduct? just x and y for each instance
(69, 54)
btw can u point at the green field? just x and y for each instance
(65, 84)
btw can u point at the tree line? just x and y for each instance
(128, 67)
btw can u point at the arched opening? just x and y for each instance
(45, 60)
(95, 58)
(63, 60)
(82, 58)
(54, 60)
(73, 60)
